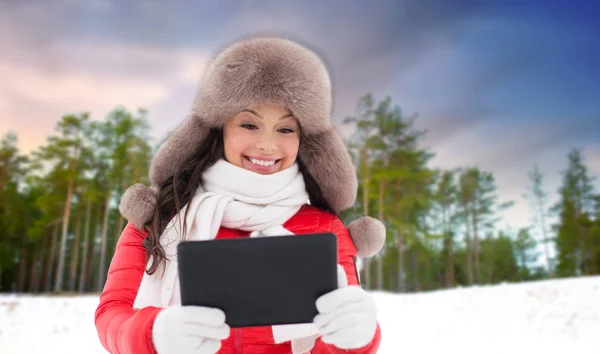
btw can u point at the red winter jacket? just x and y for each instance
(124, 330)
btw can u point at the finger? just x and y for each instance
(220, 332)
(343, 339)
(347, 312)
(192, 343)
(208, 346)
(204, 315)
(336, 324)
(334, 299)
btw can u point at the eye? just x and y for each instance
(248, 126)
(286, 130)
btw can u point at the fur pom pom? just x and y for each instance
(368, 235)
(137, 204)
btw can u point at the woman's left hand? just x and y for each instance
(347, 316)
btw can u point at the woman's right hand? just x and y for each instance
(189, 329)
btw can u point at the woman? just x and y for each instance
(258, 156)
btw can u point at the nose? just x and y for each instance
(267, 147)
(267, 144)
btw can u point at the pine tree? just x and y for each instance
(394, 179)
(538, 199)
(479, 206)
(64, 151)
(525, 248)
(575, 208)
(446, 202)
(13, 216)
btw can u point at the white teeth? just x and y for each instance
(262, 163)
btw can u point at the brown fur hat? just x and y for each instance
(279, 72)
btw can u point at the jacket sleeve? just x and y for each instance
(122, 329)
(346, 258)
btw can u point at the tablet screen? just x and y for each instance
(259, 281)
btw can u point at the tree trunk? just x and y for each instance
(84, 252)
(381, 218)
(393, 278)
(366, 182)
(523, 265)
(449, 276)
(401, 283)
(582, 266)
(22, 272)
(33, 268)
(491, 267)
(590, 249)
(544, 238)
(75, 260)
(440, 278)
(428, 273)
(102, 263)
(121, 220)
(58, 282)
(593, 263)
(95, 252)
(415, 270)
(446, 247)
(469, 255)
(476, 250)
(380, 272)
(51, 259)
(449, 262)
(452, 270)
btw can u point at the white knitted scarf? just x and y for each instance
(238, 199)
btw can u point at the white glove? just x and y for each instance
(189, 329)
(347, 316)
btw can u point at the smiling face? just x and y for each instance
(263, 139)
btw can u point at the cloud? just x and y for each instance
(593, 160)
(32, 101)
(78, 89)
(491, 86)
(72, 77)
(510, 149)
(366, 47)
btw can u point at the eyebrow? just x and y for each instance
(261, 117)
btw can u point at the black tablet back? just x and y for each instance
(259, 281)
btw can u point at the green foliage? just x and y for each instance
(525, 249)
(99, 157)
(576, 231)
(441, 224)
(499, 261)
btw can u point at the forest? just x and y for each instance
(59, 218)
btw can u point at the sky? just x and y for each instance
(502, 85)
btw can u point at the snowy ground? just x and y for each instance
(561, 316)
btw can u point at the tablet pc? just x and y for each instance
(259, 281)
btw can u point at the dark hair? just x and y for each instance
(180, 188)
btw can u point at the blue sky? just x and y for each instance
(502, 85)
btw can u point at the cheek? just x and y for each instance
(290, 147)
(235, 145)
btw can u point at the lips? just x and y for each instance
(262, 162)
(261, 165)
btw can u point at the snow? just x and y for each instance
(553, 316)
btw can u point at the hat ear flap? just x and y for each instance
(368, 235)
(138, 203)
